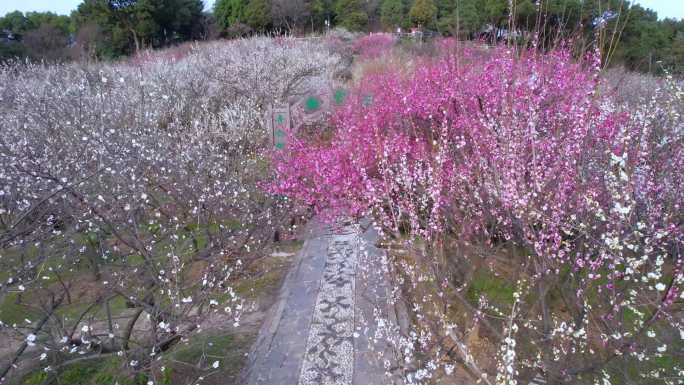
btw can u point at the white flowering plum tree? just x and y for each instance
(130, 195)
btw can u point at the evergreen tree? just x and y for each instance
(229, 12)
(36, 20)
(643, 41)
(351, 14)
(15, 22)
(135, 18)
(322, 10)
(495, 12)
(423, 13)
(463, 19)
(675, 62)
(525, 15)
(258, 14)
(180, 20)
(125, 26)
(445, 8)
(392, 13)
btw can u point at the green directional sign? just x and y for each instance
(279, 121)
(340, 96)
(312, 103)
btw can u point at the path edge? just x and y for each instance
(274, 314)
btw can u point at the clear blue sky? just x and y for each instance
(665, 8)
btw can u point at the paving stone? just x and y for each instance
(317, 332)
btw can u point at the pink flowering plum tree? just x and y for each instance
(374, 45)
(541, 212)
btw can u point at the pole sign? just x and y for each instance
(279, 120)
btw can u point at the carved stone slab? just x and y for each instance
(314, 107)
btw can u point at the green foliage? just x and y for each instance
(126, 26)
(37, 19)
(495, 11)
(644, 41)
(392, 13)
(203, 346)
(13, 311)
(79, 374)
(37, 378)
(258, 14)
(112, 28)
(204, 349)
(423, 12)
(351, 14)
(44, 35)
(526, 14)
(494, 288)
(229, 12)
(675, 57)
(15, 22)
(446, 7)
(20, 23)
(253, 288)
(322, 10)
(11, 51)
(464, 16)
(97, 372)
(182, 20)
(568, 12)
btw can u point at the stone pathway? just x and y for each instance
(318, 332)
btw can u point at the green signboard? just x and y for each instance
(313, 103)
(279, 121)
(340, 95)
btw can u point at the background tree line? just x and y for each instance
(633, 35)
(103, 29)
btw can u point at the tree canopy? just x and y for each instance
(423, 12)
(392, 13)
(351, 14)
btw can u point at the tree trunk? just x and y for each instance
(136, 40)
